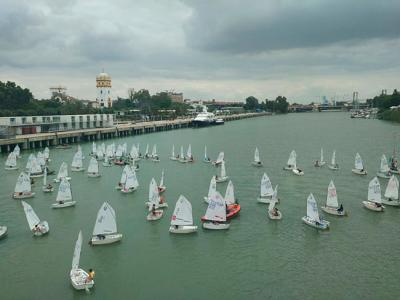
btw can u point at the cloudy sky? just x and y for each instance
(222, 49)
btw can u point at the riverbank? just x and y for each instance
(390, 115)
(40, 140)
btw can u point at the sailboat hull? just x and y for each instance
(45, 189)
(372, 206)
(44, 229)
(154, 217)
(333, 211)
(23, 196)
(108, 239)
(273, 217)
(3, 231)
(93, 175)
(78, 279)
(74, 169)
(221, 179)
(106, 164)
(265, 200)
(383, 175)
(298, 172)
(62, 205)
(127, 191)
(33, 175)
(335, 168)
(11, 168)
(173, 158)
(160, 205)
(183, 229)
(257, 163)
(391, 202)
(359, 172)
(215, 225)
(323, 225)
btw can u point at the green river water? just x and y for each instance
(257, 258)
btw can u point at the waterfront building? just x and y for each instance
(103, 85)
(12, 126)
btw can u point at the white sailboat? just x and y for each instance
(105, 229)
(266, 190)
(291, 163)
(131, 182)
(37, 227)
(333, 166)
(257, 162)
(211, 189)
(220, 159)
(41, 160)
(332, 205)
(106, 162)
(46, 154)
(392, 192)
(374, 201)
(222, 177)
(394, 168)
(3, 231)
(154, 155)
(93, 169)
(273, 212)
(384, 171)
(35, 169)
(64, 195)
(28, 165)
(11, 162)
(182, 218)
(206, 159)
(62, 173)
(77, 162)
(182, 157)
(161, 186)
(296, 170)
(312, 217)
(358, 166)
(232, 207)
(94, 149)
(47, 188)
(122, 181)
(99, 154)
(23, 188)
(173, 157)
(146, 154)
(17, 151)
(79, 277)
(189, 155)
(154, 202)
(215, 217)
(320, 162)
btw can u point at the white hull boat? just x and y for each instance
(44, 228)
(298, 172)
(158, 213)
(127, 191)
(64, 204)
(265, 200)
(319, 225)
(3, 231)
(57, 180)
(359, 172)
(36, 175)
(11, 168)
(384, 175)
(215, 225)
(45, 189)
(274, 217)
(334, 168)
(372, 206)
(257, 163)
(391, 202)
(93, 175)
(183, 229)
(23, 195)
(160, 205)
(106, 239)
(221, 179)
(73, 169)
(333, 211)
(79, 279)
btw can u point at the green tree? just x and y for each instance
(251, 103)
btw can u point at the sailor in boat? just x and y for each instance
(259, 163)
(91, 275)
(290, 166)
(37, 228)
(216, 177)
(340, 209)
(49, 186)
(275, 212)
(156, 157)
(49, 172)
(316, 163)
(191, 158)
(146, 156)
(378, 205)
(177, 157)
(299, 170)
(32, 181)
(153, 210)
(176, 226)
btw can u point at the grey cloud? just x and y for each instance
(232, 27)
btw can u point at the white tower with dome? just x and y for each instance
(103, 85)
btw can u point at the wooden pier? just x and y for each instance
(41, 140)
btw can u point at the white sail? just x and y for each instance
(230, 194)
(124, 174)
(154, 151)
(333, 160)
(220, 157)
(205, 153)
(223, 170)
(154, 197)
(29, 162)
(94, 148)
(312, 209)
(119, 152)
(266, 186)
(46, 153)
(256, 156)
(331, 197)
(35, 167)
(181, 156)
(31, 216)
(292, 159)
(77, 160)
(64, 191)
(271, 205)
(374, 191)
(77, 252)
(23, 184)
(80, 150)
(147, 150)
(182, 213)
(105, 221)
(212, 188)
(109, 151)
(384, 164)
(93, 166)
(392, 189)
(134, 154)
(131, 181)
(40, 159)
(173, 151)
(17, 150)
(189, 152)
(358, 163)
(11, 161)
(216, 210)
(45, 177)
(63, 171)
(274, 197)
(162, 178)
(322, 155)
(99, 153)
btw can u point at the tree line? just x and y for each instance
(383, 102)
(279, 105)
